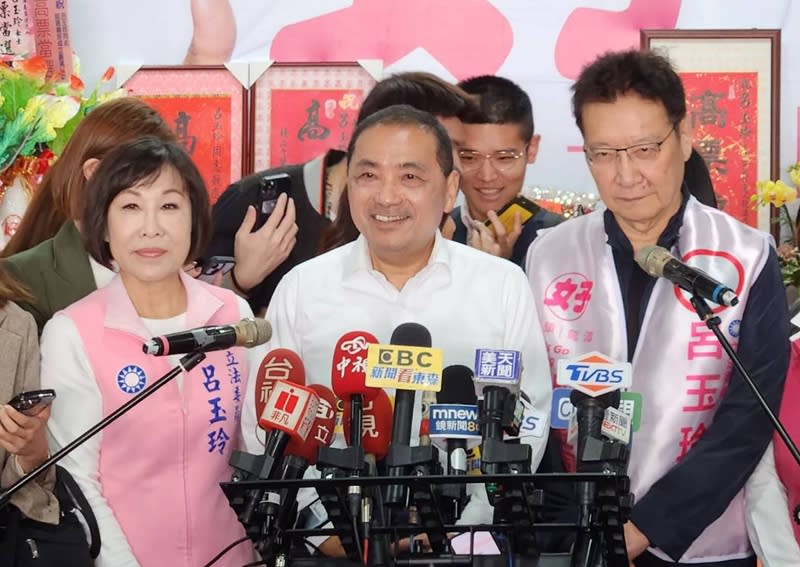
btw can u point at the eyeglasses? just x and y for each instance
(605, 157)
(501, 160)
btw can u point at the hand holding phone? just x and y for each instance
(270, 188)
(31, 403)
(259, 252)
(526, 209)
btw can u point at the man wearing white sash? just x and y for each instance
(702, 431)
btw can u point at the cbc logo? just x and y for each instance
(407, 358)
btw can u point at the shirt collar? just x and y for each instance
(201, 305)
(358, 261)
(618, 240)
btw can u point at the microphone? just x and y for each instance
(394, 356)
(246, 333)
(289, 413)
(301, 453)
(454, 417)
(322, 430)
(659, 263)
(590, 414)
(497, 378)
(376, 427)
(375, 439)
(277, 364)
(596, 381)
(348, 376)
(453, 423)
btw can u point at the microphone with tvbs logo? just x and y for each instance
(602, 432)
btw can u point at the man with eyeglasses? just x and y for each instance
(494, 157)
(702, 432)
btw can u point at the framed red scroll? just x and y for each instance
(732, 84)
(206, 106)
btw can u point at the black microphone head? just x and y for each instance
(457, 386)
(611, 399)
(411, 334)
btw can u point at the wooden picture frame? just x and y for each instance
(732, 83)
(301, 110)
(206, 106)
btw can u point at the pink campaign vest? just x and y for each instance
(787, 468)
(679, 368)
(160, 464)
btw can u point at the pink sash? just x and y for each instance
(679, 368)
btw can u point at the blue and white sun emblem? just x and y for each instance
(131, 379)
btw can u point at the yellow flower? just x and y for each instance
(776, 193)
(49, 112)
(794, 173)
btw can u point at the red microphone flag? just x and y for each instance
(278, 364)
(322, 428)
(349, 365)
(291, 408)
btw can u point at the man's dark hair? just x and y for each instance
(134, 163)
(405, 115)
(423, 91)
(615, 74)
(501, 102)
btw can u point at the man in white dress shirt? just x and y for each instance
(400, 181)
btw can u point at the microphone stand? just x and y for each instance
(712, 322)
(185, 365)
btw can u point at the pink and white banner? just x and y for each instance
(541, 45)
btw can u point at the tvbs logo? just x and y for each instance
(594, 374)
(404, 367)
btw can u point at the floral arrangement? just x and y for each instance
(38, 116)
(779, 194)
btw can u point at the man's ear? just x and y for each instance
(685, 138)
(533, 148)
(89, 167)
(453, 181)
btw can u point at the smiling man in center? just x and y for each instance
(401, 179)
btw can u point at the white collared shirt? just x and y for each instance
(466, 299)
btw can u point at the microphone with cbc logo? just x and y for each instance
(407, 364)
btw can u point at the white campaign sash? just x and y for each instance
(679, 368)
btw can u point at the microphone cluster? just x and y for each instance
(463, 409)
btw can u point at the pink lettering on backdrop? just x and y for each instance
(470, 39)
(588, 32)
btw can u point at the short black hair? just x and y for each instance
(423, 91)
(501, 101)
(616, 73)
(406, 115)
(141, 161)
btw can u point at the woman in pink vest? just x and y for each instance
(152, 476)
(773, 492)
